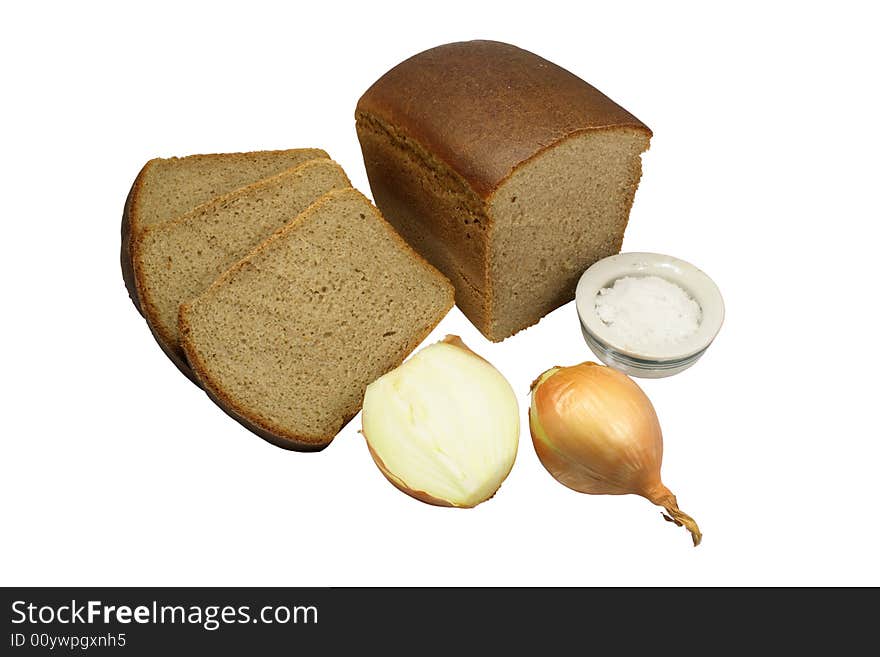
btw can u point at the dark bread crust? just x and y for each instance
(262, 427)
(486, 107)
(130, 279)
(473, 112)
(427, 203)
(125, 259)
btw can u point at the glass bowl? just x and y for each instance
(660, 361)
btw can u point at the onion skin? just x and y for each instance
(596, 432)
(420, 495)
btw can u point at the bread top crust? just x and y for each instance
(485, 107)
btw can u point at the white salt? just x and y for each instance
(647, 313)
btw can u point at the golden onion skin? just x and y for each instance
(596, 432)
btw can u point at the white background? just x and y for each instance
(763, 171)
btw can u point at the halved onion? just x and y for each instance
(444, 426)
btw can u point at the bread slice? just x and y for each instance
(176, 260)
(287, 340)
(507, 172)
(169, 187)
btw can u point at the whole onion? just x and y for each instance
(595, 431)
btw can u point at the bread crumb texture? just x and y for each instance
(290, 337)
(170, 187)
(556, 215)
(178, 259)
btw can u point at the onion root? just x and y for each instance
(664, 497)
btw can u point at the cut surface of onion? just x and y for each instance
(444, 426)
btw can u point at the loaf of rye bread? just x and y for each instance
(176, 260)
(510, 174)
(166, 188)
(287, 340)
